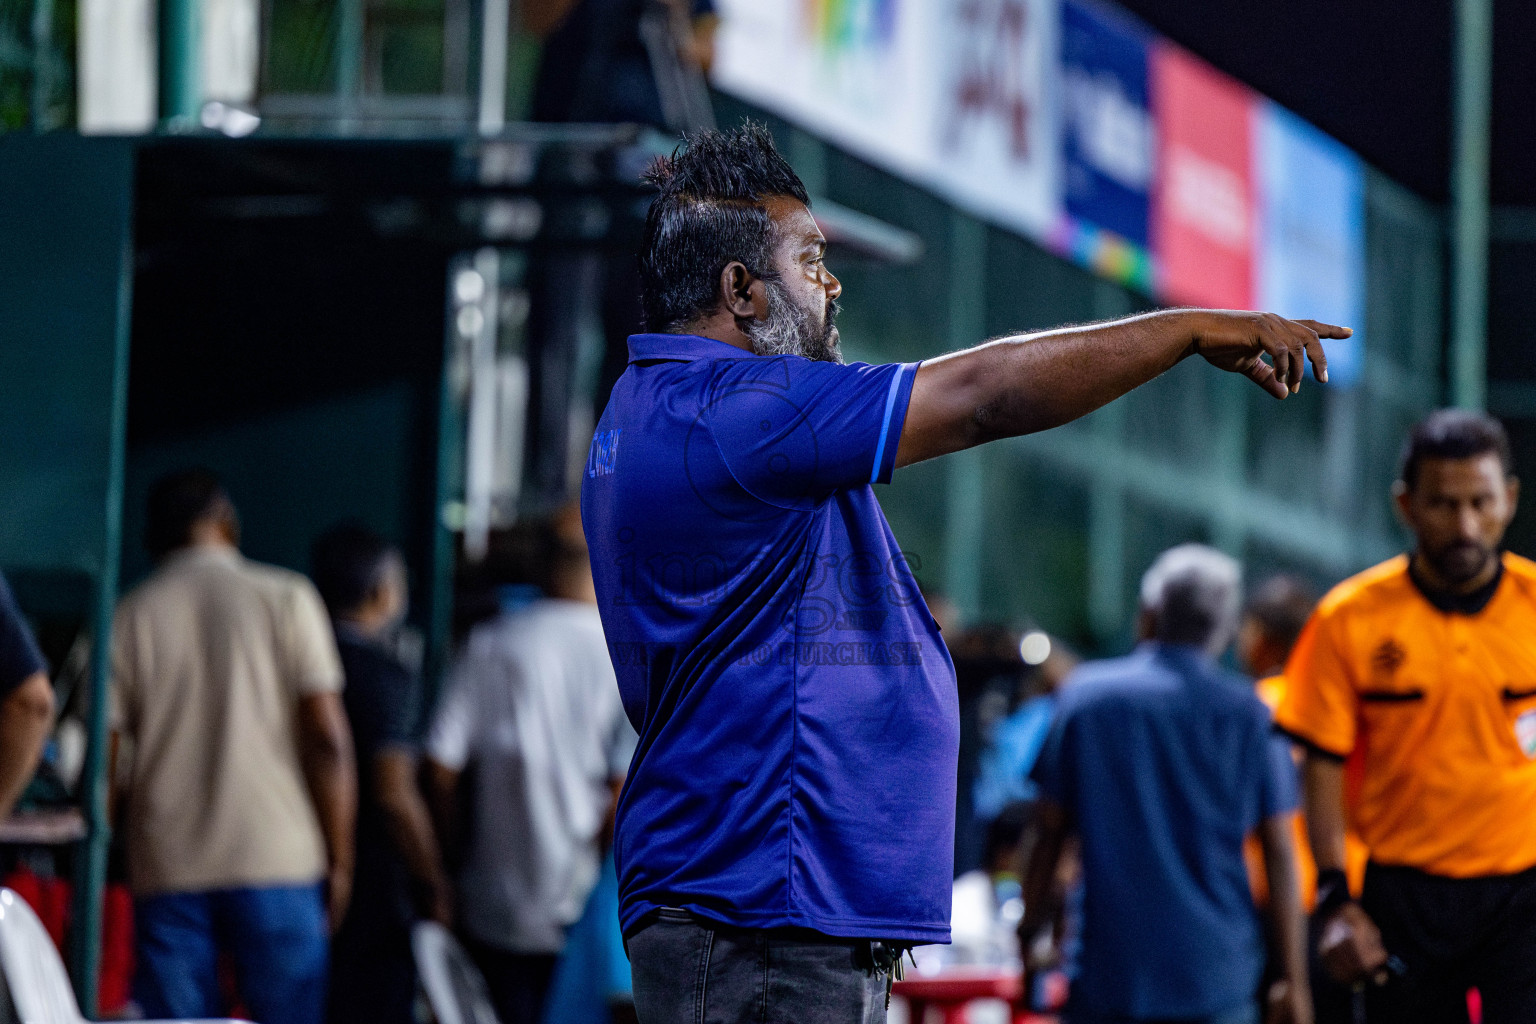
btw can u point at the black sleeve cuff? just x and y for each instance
(1310, 747)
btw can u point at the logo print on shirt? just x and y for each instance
(1388, 657)
(604, 455)
(1525, 734)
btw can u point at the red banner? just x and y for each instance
(1203, 220)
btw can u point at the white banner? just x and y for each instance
(117, 67)
(959, 96)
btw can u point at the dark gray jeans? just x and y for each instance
(689, 971)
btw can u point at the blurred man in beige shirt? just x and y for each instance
(240, 787)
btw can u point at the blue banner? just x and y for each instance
(1311, 245)
(1108, 147)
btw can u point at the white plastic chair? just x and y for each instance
(34, 974)
(454, 986)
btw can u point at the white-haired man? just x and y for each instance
(1161, 763)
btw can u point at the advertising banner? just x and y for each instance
(1108, 144)
(1311, 251)
(1073, 124)
(861, 72)
(996, 135)
(1202, 204)
(959, 97)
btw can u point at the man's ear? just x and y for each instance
(1514, 495)
(740, 293)
(376, 596)
(1400, 498)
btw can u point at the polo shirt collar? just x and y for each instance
(202, 554)
(680, 347)
(1458, 604)
(1182, 655)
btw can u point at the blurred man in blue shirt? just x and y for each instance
(787, 824)
(1162, 764)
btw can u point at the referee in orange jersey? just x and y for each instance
(1423, 669)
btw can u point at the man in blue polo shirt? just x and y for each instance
(787, 822)
(1162, 764)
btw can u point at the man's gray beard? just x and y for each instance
(791, 331)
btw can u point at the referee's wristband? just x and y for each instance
(1332, 892)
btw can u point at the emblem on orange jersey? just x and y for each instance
(1525, 733)
(1389, 656)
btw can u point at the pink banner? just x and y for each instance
(1203, 222)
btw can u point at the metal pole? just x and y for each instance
(91, 872)
(495, 24)
(965, 483)
(42, 64)
(1107, 504)
(181, 80)
(451, 424)
(1469, 198)
(350, 32)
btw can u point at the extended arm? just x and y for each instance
(1033, 382)
(410, 826)
(1290, 1000)
(326, 744)
(1350, 944)
(25, 717)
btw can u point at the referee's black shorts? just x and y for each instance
(1454, 934)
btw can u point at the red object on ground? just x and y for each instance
(117, 963)
(50, 899)
(950, 991)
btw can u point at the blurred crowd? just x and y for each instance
(1337, 832)
(287, 811)
(290, 811)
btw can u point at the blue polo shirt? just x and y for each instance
(796, 706)
(1164, 764)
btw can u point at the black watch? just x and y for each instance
(1332, 892)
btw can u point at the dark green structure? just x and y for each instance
(278, 311)
(65, 285)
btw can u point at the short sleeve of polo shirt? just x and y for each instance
(792, 431)
(311, 662)
(399, 705)
(19, 657)
(1049, 771)
(451, 737)
(1321, 705)
(1279, 791)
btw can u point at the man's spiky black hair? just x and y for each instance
(1453, 434)
(1281, 606)
(178, 502)
(708, 213)
(347, 563)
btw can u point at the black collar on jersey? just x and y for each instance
(1459, 604)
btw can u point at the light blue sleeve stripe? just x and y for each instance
(885, 428)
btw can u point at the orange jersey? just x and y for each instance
(1438, 708)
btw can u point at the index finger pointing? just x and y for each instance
(1319, 359)
(1323, 330)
